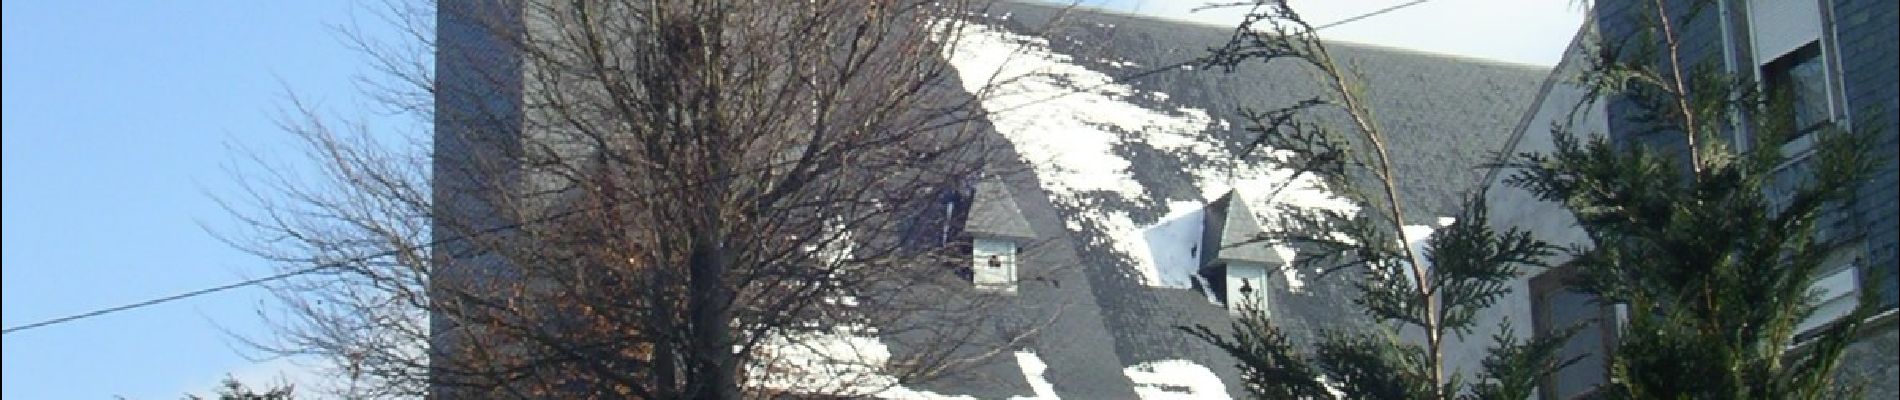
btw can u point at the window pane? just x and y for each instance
(1800, 77)
(1810, 91)
(1564, 309)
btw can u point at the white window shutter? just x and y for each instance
(1780, 26)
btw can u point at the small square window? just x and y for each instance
(1800, 78)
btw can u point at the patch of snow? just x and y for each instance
(847, 301)
(1175, 379)
(1120, 63)
(1174, 244)
(1034, 371)
(846, 360)
(1158, 96)
(1415, 237)
(1331, 388)
(1292, 275)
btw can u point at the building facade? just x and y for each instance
(1833, 60)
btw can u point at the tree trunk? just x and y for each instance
(715, 372)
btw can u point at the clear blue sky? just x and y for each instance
(116, 116)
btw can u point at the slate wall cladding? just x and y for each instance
(1865, 32)
(1870, 362)
(477, 113)
(1623, 24)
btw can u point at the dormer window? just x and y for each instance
(1231, 259)
(997, 234)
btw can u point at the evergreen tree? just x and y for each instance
(1713, 250)
(1433, 290)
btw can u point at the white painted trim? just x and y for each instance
(1783, 26)
(1001, 277)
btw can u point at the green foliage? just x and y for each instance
(1714, 250)
(1513, 369)
(1375, 366)
(1271, 370)
(1717, 267)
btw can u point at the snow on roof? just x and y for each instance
(845, 360)
(1175, 379)
(1033, 370)
(1067, 121)
(1173, 244)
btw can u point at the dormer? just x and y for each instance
(1231, 258)
(997, 232)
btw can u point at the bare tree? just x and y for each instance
(655, 199)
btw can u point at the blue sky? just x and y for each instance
(117, 119)
(117, 114)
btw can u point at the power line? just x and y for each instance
(1369, 15)
(171, 298)
(279, 276)
(317, 268)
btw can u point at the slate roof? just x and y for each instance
(1232, 232)
(1444, 114)
(993, 213)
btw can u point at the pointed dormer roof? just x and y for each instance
(993, 213)
(1234, 223)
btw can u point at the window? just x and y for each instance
(1789, 48)
(1800, 78)
(1554, 308)
(1838, 289)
